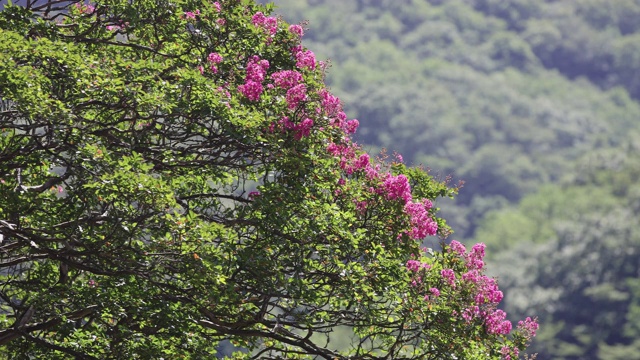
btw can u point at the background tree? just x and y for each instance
(174, 175)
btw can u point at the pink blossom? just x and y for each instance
(506, 352)
(214, 58)
(306, 59)
(252, 90)
(372, 172)
(478, 250)
(474, 259)
(470, 313)
(268, 23)
(422, 224)
(457, 247)
(488, 291)
(256, 70)
(351, 126)
(435, 292)
(528, 327)
(295, 95)
(495, 322)
(471, 276)
(297, 30)
(339, 119)
(286, 79)
(362, 162)
(120, 26)
(449, 276)
(397, 187)
(253, 194)
(413, 265)
(85, 8)
(334, 149)
(191, 15)
(221, 21)
(303, 129)
(271, 25)
(286, 124)
(258, 18)
(331, 104)
(217, 6)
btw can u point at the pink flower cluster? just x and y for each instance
(303, 129)
(256, 70)
(253, 194)
(286, 79)
(121, 26)
(350, 162)
(415, 265)
(473, 260)
(449, 276)
(270, 24)
(330, 103)
(507, 352)
(191, 14)
(214, 59)
(397, 187)
(422, 224)
(296, 30)
(305, 59)
(85, 8)
(296, 95)
(496, 323)
(332, 107)
(528, 327)
(487, 294)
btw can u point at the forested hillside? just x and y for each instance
(535, 106)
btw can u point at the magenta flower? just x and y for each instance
(214, 58)
(256, 70)
(528, 327)
(251, 90)
(435, 292)
(286, 79)
(295, 95)
(258, 18)
(297, 30)
(268, 23)
(306, 59)
(422, 224)
(413, 265)
(253, 194)
(191, 15)
(303, 129)
(331, 104)
(351, 126)
(496, 324)
(457, 247)
(397, 187)
(449, 276)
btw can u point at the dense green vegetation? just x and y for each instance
(543, 100)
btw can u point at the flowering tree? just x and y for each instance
(174, 175)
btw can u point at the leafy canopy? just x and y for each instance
(176, 175)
